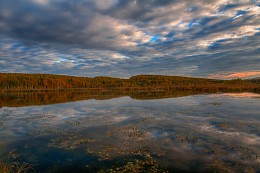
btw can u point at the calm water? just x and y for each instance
(199, 133)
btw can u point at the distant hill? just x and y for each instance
(19, 81)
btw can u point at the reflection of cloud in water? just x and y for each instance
(180, 126)
(242, 137)
(236, 95)
(118, 119)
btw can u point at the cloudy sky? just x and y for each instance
(121, 38)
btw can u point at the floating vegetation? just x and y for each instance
(131, 140)
(140, 166)
(221, 125)
(229, 157)
(117, 141)
(187, 138)
(222, 167)
(12, 154)
(52, 131)
(69, 142)
(72, 123)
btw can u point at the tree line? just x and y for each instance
(19, 81)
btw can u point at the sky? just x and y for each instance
(122, 38)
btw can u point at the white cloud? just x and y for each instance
(41, 2)
(105, 4)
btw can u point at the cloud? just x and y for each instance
(124, 38)
(41, 2)
(245, 74)
(104, 5)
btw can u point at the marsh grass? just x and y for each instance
(16, 167)
(5, 168)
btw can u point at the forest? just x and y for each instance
(19, 81)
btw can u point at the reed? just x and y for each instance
(16, 167)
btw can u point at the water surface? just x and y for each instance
(197, 133)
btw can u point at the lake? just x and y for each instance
(147, 132)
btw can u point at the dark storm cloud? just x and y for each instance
(58, 23)
(136, 9)
(128, 37)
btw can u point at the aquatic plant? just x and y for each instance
(141, 166)
(5, 168)
(16, 167)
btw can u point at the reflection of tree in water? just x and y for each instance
(18, 99)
